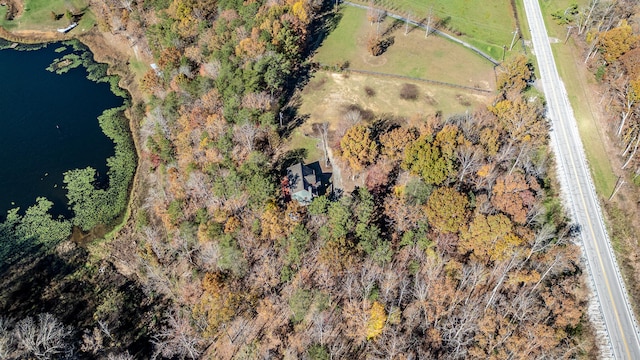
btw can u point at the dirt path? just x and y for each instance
(32, 36)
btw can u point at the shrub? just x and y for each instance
(409, 92)
(374, 45)
(369, 91)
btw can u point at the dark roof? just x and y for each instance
(301, 177)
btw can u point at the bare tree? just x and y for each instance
(177, 339)
(584, 19)
(246, 135)
(123, 356)
(628, 100)
(352, 117)
(44, 338)
(6, 340)
(469, 159)
(392, 344)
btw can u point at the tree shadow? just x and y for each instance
(396, 24)
(289, 158)
(321, 26)
(64, 283)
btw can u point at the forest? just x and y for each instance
(455, 247)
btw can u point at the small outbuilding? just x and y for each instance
(301, 183)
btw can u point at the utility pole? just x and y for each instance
(617, 187)
(569, 28)
(406, 24)
(429, 19)
(515, 33)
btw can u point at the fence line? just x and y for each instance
(432, 30)
(436, 82)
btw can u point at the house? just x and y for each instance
(301, 183)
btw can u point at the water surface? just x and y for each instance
(48, 125)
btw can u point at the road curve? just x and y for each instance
(580, 196)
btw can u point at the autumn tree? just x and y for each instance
(511, 195)
(424, 158)
(489, 238)
(395, 141)
(447, 210)
(377, 320)
(358, 148)
(516, 74)
(617, 41)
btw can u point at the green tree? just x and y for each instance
(425, 159)
(299, 303)
(295, 244)
(340, 218)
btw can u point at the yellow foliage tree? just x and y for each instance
(358, 148)
(300, 11)
(517, 72)
(377, 319)
(218, 304)
(617, 41)
(447, 210)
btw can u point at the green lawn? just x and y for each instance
(487, 24)
(410, 55)
(311, 144)
(37, 15)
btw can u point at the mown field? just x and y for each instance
(487, 25)
(410, 55)
(37, 15)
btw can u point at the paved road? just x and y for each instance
(579, 194)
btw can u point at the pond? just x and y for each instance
(48, 125)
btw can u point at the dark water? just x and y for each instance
(48, 125)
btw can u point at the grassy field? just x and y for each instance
(37, 15)
(410, 55)
(487, 25)
(329, 95)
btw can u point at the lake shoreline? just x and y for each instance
(103, 50)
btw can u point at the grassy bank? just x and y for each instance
(577, 81)
(38, 15)
(488, 26)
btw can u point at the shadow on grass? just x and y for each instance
(321, 26)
